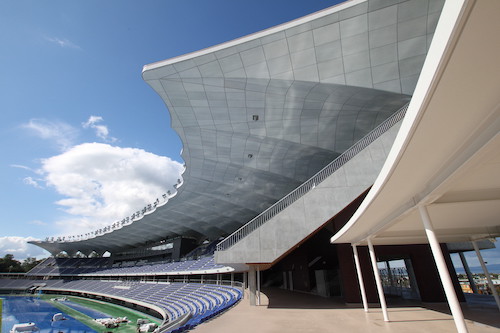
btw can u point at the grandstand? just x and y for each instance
(291, 138)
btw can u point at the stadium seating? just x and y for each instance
(200, 301)
(105, 267)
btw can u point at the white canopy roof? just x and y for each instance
(447, 154)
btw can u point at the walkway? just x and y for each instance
(284, 311)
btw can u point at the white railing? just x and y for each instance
(311, 183)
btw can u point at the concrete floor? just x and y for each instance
(285, 311)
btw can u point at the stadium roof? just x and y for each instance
(261, 114)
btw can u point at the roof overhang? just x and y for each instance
(447, 154)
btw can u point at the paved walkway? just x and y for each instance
(290, 312)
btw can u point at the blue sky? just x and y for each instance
(84, 140)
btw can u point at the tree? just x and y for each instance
(29, 263)
(9, 265)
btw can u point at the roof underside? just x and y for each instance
(447, 152)
(260, 115)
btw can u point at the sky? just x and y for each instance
(84, 140)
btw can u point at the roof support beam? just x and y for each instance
(360, 277)
(444, 274)
(378, 281)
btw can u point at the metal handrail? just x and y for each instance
(311, 183)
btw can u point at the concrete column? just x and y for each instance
(485, 270)
(444, 274)
(378, 281)
(258, 285)
(468, 272)
(245, 280)
(360, 277)
(252, 285)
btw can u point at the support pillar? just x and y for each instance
(487, 273)
(444, 274)
(258, 285)
(378, 281)
(468, 272)
(360, 277)
(252, 285)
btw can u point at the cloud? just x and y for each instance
(32, 182)
(18, 166)
(38, 222)
(63, 42)
(19, 247)
(62, 134)
(102, 183)
(100, 130)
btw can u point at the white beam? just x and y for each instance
(485, 270)
(360, 277)
(451, 296)
(378, 281)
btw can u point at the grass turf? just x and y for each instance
(110, 309)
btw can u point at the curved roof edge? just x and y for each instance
(262, 33)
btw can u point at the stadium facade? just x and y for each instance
(314, 144)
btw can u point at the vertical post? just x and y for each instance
(360, 277)
(258, 285)
(232, 279)
(487, 273)
(380, 289)
(468, 272)
(252, 285)
(444, 274)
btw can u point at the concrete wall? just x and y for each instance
(306, 215)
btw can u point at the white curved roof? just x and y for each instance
(447, 154)
(259, 115)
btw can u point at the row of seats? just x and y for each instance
(202, 301)
(103, 267)
(69, 266)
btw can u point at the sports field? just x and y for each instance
(80, 314)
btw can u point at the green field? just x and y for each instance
(111, 309)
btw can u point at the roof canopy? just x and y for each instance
(447, 154)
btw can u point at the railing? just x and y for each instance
(311, 183)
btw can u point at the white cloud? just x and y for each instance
(61, 133)
(38, 222)
(63, 42)
(100, 130)
(19, 247)
(18, 166)
(32, 182)
(102, 183)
